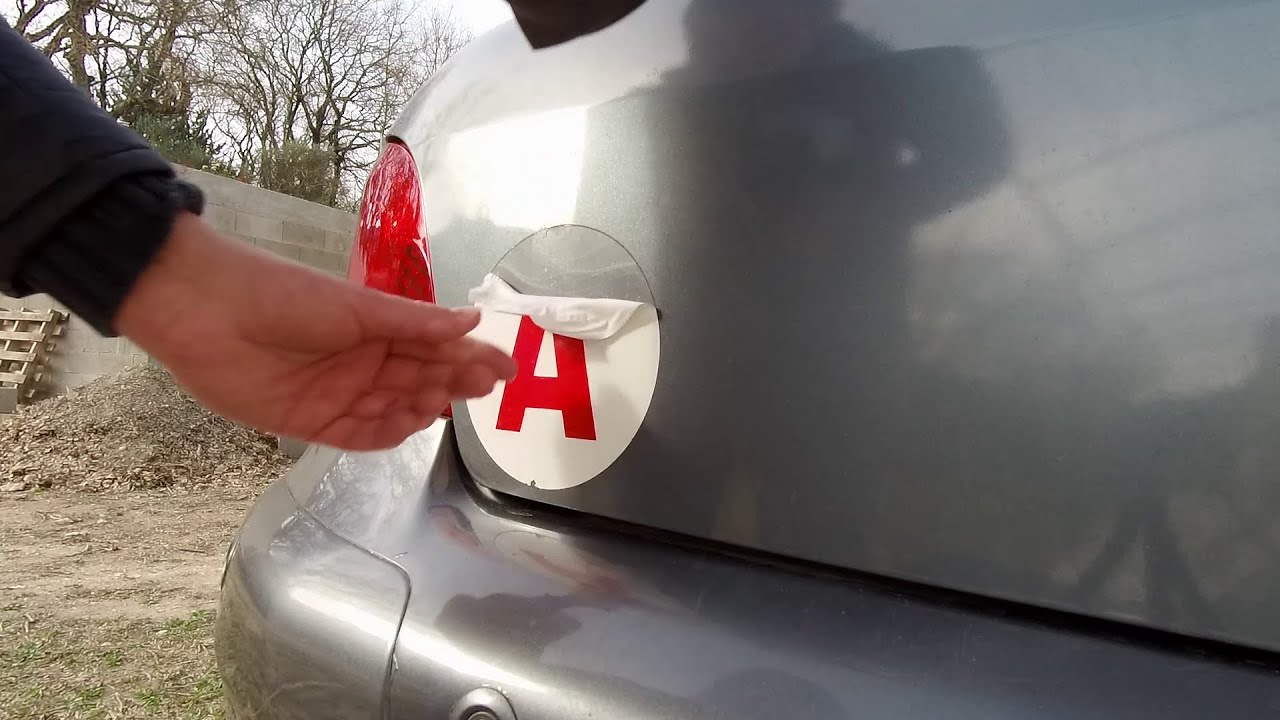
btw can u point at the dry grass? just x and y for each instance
(108, 669)
(116, 507)
(107, 600)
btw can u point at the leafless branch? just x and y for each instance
(329, 73)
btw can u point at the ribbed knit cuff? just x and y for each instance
(96, 255)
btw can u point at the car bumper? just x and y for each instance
(306, 621)
(393, 587)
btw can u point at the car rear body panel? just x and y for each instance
(307, 621)
(572, 617)
(979, 294)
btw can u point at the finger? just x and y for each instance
(373, 404)
(463, 351)
(472, 353)
(350, 433)
(428, 388)
(387, 316)
(502, 364)
(435, 376)
(431, 401)
(382, 433)
(473, 381)
(457, 381)
(399, 425)
(450, 351)
(399, 372)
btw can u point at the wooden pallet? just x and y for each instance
(26, 336)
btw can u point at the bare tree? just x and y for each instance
(124, 53)
(31, 19)
(441, 36)
(328, 73)
(155, 44)
(42, 22)
(272, 77)
(62, 29)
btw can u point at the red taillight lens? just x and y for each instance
(391, 252)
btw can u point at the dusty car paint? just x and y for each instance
(980, 294)
(570, 619)
(306, 621)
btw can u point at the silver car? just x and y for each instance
(950, 386)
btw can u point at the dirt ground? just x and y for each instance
(117, 503)
(107, 601)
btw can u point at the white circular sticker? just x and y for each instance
(574, 406)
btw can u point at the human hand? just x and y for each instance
(287, 349)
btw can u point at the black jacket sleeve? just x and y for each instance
(553, 22)
(84, 202)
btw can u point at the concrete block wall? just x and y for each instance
(314, 234)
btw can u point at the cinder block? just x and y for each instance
(79, 338)
(344, 222)
(109, 363)
(76, 362)
(91, 363)
(284, 207)
(221, 218)
(259, 227)
(311, 256)
(30, 302)
(71, 381)
(8, 400)
(282, 249)
(90, 341)
(322, 260)
(240, 197)
(305, 235)
(339, 242)
(217, 189)
(70, 359)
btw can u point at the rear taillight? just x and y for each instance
(391, 252)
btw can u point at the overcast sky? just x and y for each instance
(480, 15)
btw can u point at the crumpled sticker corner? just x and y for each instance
(581, 318)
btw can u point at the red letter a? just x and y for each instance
(568, 392)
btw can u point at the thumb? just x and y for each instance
(397, 318)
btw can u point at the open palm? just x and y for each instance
(289, 350)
